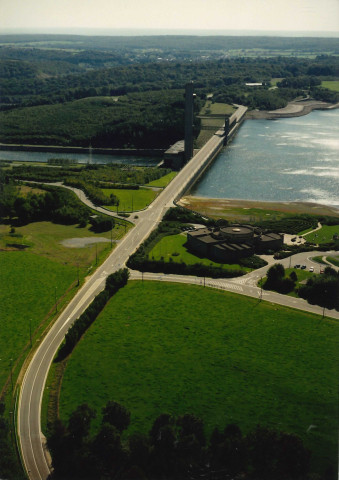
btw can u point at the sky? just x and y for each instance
(260, 15)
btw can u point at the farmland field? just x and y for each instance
(172, 348)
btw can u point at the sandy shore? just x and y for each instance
(293, 109)
(232, 208)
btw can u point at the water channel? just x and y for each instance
(83, 158)
(290, 159)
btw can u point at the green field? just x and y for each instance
(163, 181)
(172, 247)
(334, 260)
(32, 278)
(331, 85)
(324, 235)
(29, 285)
(131, 200)
(44, 238)
(172, 348)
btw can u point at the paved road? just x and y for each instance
(29, 427)
(247, 285)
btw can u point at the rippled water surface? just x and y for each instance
(290, 159)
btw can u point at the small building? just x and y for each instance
(174, 157)
(233, 242)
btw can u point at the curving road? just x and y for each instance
(29, 428)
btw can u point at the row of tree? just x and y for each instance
(176, 448)
(114, 282)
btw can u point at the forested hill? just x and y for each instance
(180, 43)
(128, 91)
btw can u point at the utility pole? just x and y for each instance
(78, 274)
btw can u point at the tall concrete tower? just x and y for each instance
(189, 121)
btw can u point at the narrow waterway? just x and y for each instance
(80, 158)
(290, 159)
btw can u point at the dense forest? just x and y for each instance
(128, 91)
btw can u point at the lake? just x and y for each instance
(80, 158)
(290, 159)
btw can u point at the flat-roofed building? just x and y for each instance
(232, 242)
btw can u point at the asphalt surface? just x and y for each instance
(31, 439)
(29, 409)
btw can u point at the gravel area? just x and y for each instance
(82, 242)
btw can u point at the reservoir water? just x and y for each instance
(290, 159)
(80, 158)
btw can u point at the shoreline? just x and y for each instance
(293, 109)
(227, 206)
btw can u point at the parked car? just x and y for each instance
(311, 269)
(321, 270)
(297, 266)
(303, 267)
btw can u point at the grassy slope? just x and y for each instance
(175, 244)
(324, 235)
(172, 348)
(163, 181)
(27, 291)
(331, 85)
(131, 200)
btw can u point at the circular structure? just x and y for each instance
(237, 233)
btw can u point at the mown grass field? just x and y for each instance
(31, 279)
(172, 247)
(44, 238)
(131, 200)
(324, 235)
(29, 285)
(163, 181)
(172, 348)
(331, 84)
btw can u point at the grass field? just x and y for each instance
(172, 348)
(334, 260)
(131, 200)
(163, 181)
(324, 235)
(331, 84)
(32, 278)
(174, 244)
(44, 238)
(29, 285)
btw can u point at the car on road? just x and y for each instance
(311, 269)
(303, 267)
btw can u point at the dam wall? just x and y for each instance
(205, 156)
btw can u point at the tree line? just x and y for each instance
(175, 448)
(114, 282)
